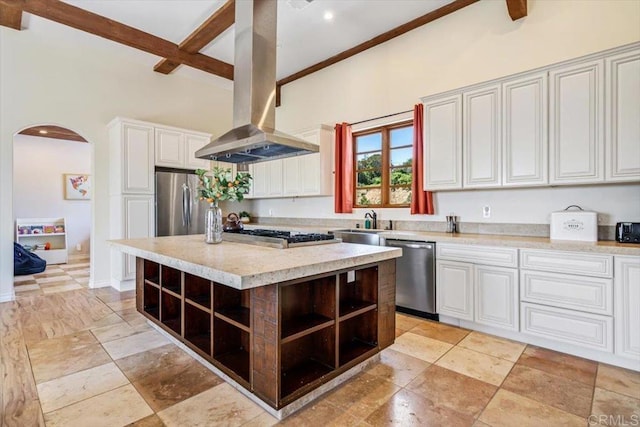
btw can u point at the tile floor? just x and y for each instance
(79, 357)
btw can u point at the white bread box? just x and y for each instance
(574, 225)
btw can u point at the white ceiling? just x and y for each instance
(304, 36)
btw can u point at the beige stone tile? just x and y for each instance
(399, 368)
(361, 395)
(18, 413)
(620, 380)
(420, 347)
(220, 405)
(73, 388)
(133, 344)
(565, 365)
(493, 346)
(26, 288)
(62, 363)
(54, 278)
(445, 388)
(509, 409)
(406, 408)
(116, 331)
(110, 319)
(618, 406)
(563, 393)
(440, 331)
(405, 322)
(122, 305)
(320, 414)
(150, 421)
(26, 278)
(66, 343)
(61, 288)
(114, 408)
(476, 365)
(140, 365)
(263, 420)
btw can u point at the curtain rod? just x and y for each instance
(381, 117)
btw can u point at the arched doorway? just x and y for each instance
(52, 207)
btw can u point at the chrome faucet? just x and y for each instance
(374, 218)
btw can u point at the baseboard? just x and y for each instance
(99, 284)
(8, 296)
(123, 285)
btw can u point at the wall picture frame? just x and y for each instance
(77, 186)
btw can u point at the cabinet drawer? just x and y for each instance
(591, 294)
(486, 255)
(567, 326)
(567, 262)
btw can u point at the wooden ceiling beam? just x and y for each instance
(517, 9)
(382, 38)
(219, 22)
(109, 29)
(10, 16)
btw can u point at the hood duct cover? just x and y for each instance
(253, 137)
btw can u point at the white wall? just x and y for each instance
(56, 77)
(472, 45)
(38, 191)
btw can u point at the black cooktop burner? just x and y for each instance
(286, 235)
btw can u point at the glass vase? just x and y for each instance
(213, 224)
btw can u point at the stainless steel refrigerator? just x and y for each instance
(178, 211)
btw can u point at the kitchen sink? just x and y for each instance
(358, 235)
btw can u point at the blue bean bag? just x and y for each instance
(25, 262)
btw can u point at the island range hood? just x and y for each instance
(253, 137)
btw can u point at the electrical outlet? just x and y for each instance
(78, 247)
(486, 212)
(270, 212)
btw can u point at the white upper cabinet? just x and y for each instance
(481, 152)
(443, 143)
(131, 149)
(576, 125)
(306, 175)
(176, 148)
(623, 117)
(524, 131)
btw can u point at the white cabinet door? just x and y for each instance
(259, 182)
(311, 174)
(481, 154)
(193, 143)
(138, 218)
(169, 148)
(137, 150)
(291, 170)
(454, 284)
(576, 125)
(443, 143)
(627, 307)
(496, 297)
(524, 131)
(623, 117)
(274, 178)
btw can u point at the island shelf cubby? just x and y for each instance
(279, 341)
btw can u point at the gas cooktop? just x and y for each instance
(278, 238)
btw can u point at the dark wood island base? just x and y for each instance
(278, 341)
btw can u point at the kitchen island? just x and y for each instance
(284, 324)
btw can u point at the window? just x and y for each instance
(383, 158)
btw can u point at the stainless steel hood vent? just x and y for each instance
(253, 137)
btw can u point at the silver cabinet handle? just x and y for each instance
(185, 212)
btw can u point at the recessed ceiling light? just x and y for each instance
(328, 15)
(42, 131)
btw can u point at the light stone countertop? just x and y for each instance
(522, 242)
(244, 266)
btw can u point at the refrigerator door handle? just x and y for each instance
(185, 206)
(189, 202)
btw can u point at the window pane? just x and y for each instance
(371, 142)
(370, 161)
(370, 196)
(400, 196)
(369, 178)
(401, 176)
(401, 136)
(401, 156)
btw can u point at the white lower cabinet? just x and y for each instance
(568, 326)
(627, 307)
(454, 289)
(485, 294)
(496, 296)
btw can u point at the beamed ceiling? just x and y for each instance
(199, 34)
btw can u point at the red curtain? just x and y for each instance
(421, 201)
(344, 169)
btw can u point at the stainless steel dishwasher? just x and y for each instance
(415, 277)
